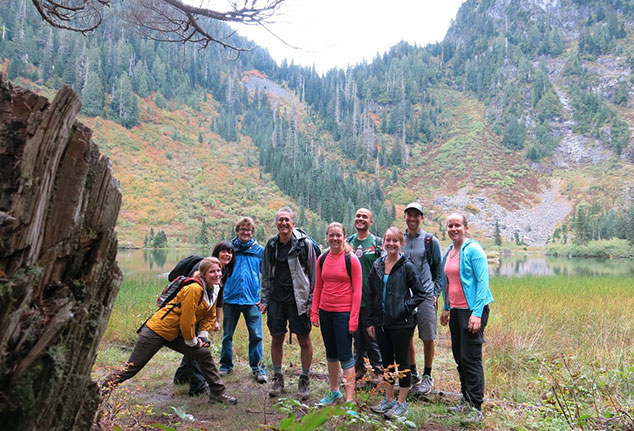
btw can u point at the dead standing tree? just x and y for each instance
(59, 203)
(163, 20)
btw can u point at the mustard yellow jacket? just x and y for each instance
(193, 304)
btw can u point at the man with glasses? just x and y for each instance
(288, 278)
(241, 295)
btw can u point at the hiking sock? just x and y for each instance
(305, 371)
(412, 369)
(277, 369)
(427, 371)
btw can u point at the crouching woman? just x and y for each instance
(174, 326)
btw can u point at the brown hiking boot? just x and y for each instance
(278, 386)
(223, 398)
(303, 387)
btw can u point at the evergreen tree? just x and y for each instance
(203, 236)
(124, 104)
(92, 96)
(160, 240)
(497, 235)
(629, 227)
(514, 135)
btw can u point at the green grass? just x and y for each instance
(570, 335)
(135, 302)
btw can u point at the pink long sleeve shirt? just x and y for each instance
(334, 291)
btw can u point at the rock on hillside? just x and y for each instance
(533, 225)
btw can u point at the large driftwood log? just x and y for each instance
(59, 203)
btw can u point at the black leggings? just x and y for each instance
(394, 345)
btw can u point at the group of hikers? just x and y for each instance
(363, 291)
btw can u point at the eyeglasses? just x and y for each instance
(245, 229)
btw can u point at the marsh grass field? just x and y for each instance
(559, 355)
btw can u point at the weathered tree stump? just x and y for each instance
(59, 203)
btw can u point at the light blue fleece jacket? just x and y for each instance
(474, 277)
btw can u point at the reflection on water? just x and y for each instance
(155, 258)
(156, 262)
(514, 266)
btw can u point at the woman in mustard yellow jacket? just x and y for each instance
(174, 326)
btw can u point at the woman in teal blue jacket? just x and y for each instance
(466, 295)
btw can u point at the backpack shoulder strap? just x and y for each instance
(322, 259)
(428, 249)
(346, 257)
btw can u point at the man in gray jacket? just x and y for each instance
(288, 279)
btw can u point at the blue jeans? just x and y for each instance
(253, 319)
(337, 338)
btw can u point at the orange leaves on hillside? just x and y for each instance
(253, 72)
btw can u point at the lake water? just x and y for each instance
(157, 262)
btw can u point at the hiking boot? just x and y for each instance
(199, 392)
(303, 387)
(278, 385)
(223, 398)
(224, 371)
(415, 380)
(425, 386)
(473, 416)
(397, 410)
(383, 406)
(260, 377)
(462, 406)
(330, 397)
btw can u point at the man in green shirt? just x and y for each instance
(367, 248)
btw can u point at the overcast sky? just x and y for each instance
(338, 33)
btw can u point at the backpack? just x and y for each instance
(429, 252)
(348, 264)
(378, 244)
(313, 242)
(184, 267)
(172, 289)
(169, 293)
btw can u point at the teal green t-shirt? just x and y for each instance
(366, 252)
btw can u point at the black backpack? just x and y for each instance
(172, 289)
(429, 252)
(169, 293)
(303, 257)
(313, 242)
(185, 267)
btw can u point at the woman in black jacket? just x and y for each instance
(394, 294)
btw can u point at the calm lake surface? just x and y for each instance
(157, 262)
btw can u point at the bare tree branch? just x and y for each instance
(164, 20)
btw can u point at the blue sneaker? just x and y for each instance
(330, 397)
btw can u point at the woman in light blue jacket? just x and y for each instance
(466, 295)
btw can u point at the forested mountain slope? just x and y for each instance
(522, 115)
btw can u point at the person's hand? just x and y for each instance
(315, 323)
(436, 302)
(203, 342)
(444, 317)
(474, 324)
(216, 326)
(262, 307)
(371, 332)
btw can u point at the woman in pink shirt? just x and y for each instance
(467, 296)
(335, 309)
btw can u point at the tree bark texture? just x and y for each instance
(59, 203)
